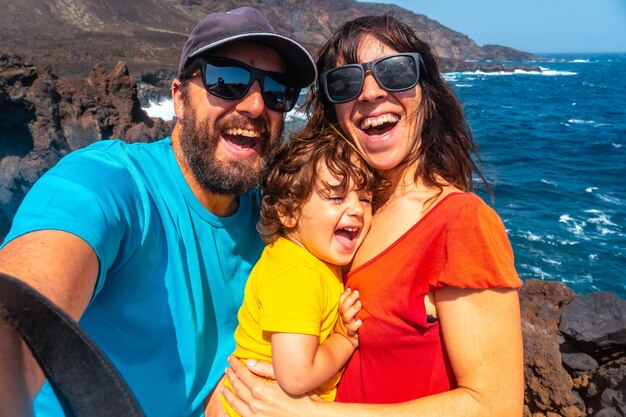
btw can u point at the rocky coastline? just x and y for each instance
(574, 346)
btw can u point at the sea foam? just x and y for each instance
(163, 109)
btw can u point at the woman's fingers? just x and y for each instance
(261, 368)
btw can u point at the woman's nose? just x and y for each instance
(371, 90)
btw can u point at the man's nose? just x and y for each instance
(252, 103)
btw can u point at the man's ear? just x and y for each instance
(177, 97)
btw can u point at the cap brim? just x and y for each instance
(300, 64)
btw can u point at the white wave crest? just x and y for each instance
(536, 271)
(552, 183)
(531, 236)
(610, 199)
(553, 73)
(163, 109)
(616, 145)
(600, 218)
(572, 225)
(454, 76)
(553, 262)
(580, 122)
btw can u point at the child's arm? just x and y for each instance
(302, 364)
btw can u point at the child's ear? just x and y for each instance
(287, 220)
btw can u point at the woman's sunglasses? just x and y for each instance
(231, 80)
(393, 73)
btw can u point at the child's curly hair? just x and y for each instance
(292, 176)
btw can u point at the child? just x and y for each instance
(316, 211)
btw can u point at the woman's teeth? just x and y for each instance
(379, 121)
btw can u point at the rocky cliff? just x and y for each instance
(44, 117)
(72, 36)
(574, 352)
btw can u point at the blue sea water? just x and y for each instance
(554, 144)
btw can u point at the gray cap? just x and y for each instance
(246, 23)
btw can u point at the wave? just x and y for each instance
(552, 183)
(576, 227)
(530, 236)
(535, 271)
(453, 76)
(592, 123)
(610, 199)
(163, 109)
(600, 218)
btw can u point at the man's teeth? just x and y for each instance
(378, 121)
(243, 132)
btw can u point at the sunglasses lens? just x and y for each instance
(397, 73)
(344, 83)
(226, 81)
(279, 94)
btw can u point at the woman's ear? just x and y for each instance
(177, 97)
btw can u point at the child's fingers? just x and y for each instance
(349, 299)
(353, 328)
(344, 295)
(349, 314)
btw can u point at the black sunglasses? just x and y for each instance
(231, 80)
(393, 73)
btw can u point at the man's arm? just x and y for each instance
(62, 267)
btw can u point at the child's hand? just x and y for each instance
(347, 325)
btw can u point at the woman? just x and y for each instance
(441, 332)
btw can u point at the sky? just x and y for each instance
(534, 26)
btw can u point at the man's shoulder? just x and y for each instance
(117, 147)
(113, 157)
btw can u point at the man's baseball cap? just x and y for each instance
(246, 23)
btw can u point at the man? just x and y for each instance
(150, 245)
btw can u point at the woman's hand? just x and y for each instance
(347, 325)
(258, 395)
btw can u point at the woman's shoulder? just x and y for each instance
(461, 208)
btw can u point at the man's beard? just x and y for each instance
(199, 144)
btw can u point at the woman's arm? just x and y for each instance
(482, 333)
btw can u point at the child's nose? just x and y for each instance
(356, 208)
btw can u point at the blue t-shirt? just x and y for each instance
(171, 275)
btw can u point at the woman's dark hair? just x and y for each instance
(447, 145)
(293, 175)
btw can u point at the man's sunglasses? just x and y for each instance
(231, 80)
(393, 73)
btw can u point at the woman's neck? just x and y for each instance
(403, 185)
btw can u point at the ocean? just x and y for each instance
(553, 145)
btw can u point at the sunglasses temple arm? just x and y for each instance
(423, 67)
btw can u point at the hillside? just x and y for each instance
(73, 35)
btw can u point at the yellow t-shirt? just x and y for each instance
(289, 291)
